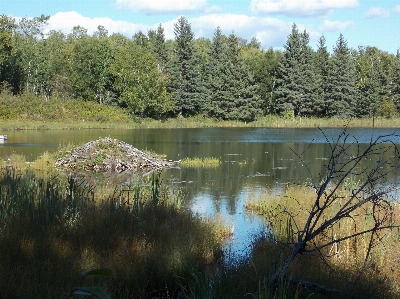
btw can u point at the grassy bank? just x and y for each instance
(191, 122)
(28, 112)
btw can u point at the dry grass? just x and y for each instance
(337, 265)
(270, 121)
(53, 228)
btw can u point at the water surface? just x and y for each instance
(254, 160)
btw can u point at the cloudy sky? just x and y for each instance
(362, 22)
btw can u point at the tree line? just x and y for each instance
(224, 78)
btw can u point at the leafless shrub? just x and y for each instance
(372, 197)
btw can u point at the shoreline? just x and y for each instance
(200, 122)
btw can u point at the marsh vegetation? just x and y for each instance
(54, 226)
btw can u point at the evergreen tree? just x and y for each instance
(395, 81)
(263, 66)
(159, 49)
(185, 81)
(374, 89)
(232, 93)
(141, 39)
(321, 70)
(342, 93)
(295, 80)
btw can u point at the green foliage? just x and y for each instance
(138, 82)
(296, 87)
(395, 81)
(157, 40)
(89, 65)
(7, 25)
(322, 58)
(342, 93)
(373, 80)
(184, 84)
(387, 109)
(149, 76)
(263, 66)
(33, 108)
(232, 93)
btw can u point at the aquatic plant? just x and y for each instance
(53, 228)
(196, 162)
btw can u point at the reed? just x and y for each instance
(51, 229)
(270, 121)
(338, 265)
(196, 162)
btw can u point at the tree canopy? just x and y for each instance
(224, 78)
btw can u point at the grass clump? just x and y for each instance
(207, 162)
(338, 265)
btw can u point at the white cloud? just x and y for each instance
(162, 6)
(397, 8)
(377, 12)
(271, 32)
(65, 21)
(329, 26)
(213, 9)
(299, 8)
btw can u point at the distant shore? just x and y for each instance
(200, 122)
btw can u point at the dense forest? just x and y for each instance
(225, 78)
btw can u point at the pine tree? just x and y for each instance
(157, 40)
(342, 93)
(295, 81)
(232, 93)
(185, 84)
(321, 70)
(374, 90)
(395, 81)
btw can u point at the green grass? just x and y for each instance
(196, 162)
(28, 112)
(127, 123)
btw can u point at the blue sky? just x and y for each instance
(362, 22)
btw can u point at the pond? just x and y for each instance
(255, 160)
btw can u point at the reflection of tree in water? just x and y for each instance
(246, 166)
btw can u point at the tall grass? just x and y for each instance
(338, 265)
(53, 228)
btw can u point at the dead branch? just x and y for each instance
(371, 164)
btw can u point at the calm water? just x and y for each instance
(254, 160)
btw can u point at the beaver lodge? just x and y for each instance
(112, 155)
